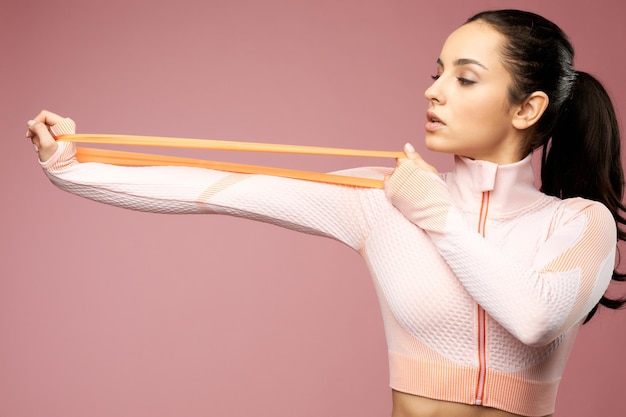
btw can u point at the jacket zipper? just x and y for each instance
(482, 331)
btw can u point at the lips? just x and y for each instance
(433, 122)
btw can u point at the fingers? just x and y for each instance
(45, 117)
(412, 155)
(409, 150)
(48, 118)
(39, 134)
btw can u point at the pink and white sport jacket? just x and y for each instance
(483, 281)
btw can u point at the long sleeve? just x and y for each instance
(536, 297)
(323, 209)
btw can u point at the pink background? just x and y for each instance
(106, 312)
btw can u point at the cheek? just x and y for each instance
(480, 107)
(488, 112)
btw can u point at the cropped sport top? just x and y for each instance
(483, 281)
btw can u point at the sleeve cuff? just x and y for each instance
(65, 154)
(64, 127)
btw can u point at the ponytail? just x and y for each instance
(583, 158)
(578, 131)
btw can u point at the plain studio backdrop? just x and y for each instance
(108, 312)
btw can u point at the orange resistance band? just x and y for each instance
(141, 159)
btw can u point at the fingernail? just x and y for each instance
(409, 148)
(36, 147)
(30, 123)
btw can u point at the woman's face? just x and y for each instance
(469, 113)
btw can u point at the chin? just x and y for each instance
(434, 145)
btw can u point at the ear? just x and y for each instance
(529, 112)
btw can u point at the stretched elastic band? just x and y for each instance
(223, 145)
(141, 159)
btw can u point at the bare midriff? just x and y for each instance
(407, 405)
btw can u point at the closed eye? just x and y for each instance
(465, 81)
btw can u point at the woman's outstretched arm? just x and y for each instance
(316, 208)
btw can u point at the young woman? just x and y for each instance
(483, 280)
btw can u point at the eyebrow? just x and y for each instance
(463, 61)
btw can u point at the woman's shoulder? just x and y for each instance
(591, 211)
(576, 204)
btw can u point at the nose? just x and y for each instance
(434, 93)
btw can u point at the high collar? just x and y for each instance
(511, 186)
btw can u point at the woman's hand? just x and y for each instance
(39, 133)
(411, 155)
(417, 190)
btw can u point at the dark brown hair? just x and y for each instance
(578, 131)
